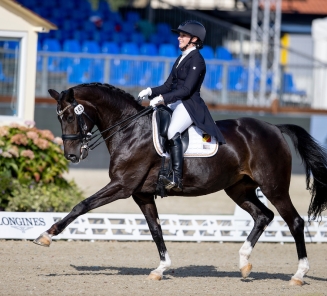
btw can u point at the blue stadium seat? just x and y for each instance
(163, 29)
(110, 48)
(121, 72)
(152, 74)
(234, 77)
(207, 52)
(88, 26)
(119, 37)
(97, 71)
(223, 53)
(132, 16)
(173, 40)
(167, 50)
(80, 35)
(137, 38)
(289, 85)
(129, 48)
(90, 46)
(213, 78)
(148, 49)
(78, 73)
(128, 28)
(69, 25)
(51, 45)
(71, 45)
(155, 39)
(104, 7)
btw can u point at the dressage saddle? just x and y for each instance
(163, 118)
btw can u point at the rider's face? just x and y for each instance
(183, 40)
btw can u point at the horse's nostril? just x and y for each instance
(71, 157)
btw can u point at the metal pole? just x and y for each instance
(264, 56)
(276, 77)
(44, 75)
(253, 40)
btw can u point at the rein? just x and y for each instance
(132, 118)
(86, 137)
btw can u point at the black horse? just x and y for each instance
(256, 155)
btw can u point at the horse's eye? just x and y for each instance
(70, 118)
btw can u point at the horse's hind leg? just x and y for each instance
(148, 207)
(295, 223)
(243, 193)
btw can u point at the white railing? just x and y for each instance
(133, 227)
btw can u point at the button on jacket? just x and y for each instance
(184, 83)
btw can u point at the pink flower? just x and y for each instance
(46, 134)
(41, 143)
(6, 154)
(13, 150)
(3, 131)
(14, 125)
(27, 153)
(30, 123)
(23, 128)
(32, 135)
(58, 141)
(19, 139)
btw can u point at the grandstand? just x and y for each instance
(125, 49)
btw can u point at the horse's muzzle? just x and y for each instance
(73, 158)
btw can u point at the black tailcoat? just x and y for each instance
(184, 83)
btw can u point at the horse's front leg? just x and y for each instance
(148, 207)
(111, 192)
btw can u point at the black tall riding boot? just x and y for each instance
(174, 179)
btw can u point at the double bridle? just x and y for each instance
(84, 136)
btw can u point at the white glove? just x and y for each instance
(155, 101)
(145, 93)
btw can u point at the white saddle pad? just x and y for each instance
(200, 143)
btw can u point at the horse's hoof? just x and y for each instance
(43, 240)
(154, 276)
(296, 282)
(246, 270)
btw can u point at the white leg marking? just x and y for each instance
(302, 269)
(163, 266)
(245, 253)
(47, 234)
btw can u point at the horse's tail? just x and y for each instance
(314, 157)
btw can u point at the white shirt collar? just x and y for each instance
(187, 51)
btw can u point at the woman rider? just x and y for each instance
(181, 93)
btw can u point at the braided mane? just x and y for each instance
(110, 87)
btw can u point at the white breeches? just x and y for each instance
(180, 120)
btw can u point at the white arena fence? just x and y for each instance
(133, 227)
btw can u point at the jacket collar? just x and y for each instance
(185, 59)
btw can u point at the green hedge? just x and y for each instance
(31, 167)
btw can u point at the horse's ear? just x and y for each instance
(54, 94)
(70, 96)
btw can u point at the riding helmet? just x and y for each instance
(193, 28)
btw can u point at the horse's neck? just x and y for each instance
(112, 110)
